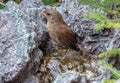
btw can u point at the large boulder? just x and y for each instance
(19, 53)
(23, 35)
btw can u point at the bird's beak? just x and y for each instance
(43, 13)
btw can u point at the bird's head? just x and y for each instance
(52, 15)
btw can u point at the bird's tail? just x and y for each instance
(82, 50)
(84, 53)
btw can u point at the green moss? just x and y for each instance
(1, 6)
(51, 2)
(17, 1)
(5, 1)
(48, 2)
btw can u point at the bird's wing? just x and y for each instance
(66, 36)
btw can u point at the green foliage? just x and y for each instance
(5, 1)
(113, 70)
(46, 2)
(51, 2)
(103, 21)
(106, 14)
(108, 6)
(2, 5)
(110, 53)
(17, 1)
(109, 81)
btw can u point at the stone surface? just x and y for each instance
(115, 40)
(17, 44)
(23, 33)
(71, 77)
(33, 9)
(118, 81)
(74, 15)
(115, 43)
(71, 69)
(95, 42)
(31, 79)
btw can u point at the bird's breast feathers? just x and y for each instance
(61, 32)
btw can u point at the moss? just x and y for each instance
(51, 2)
(5, 1)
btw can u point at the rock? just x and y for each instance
(31, 79)
(71, 77)
(70, 70)
(94, 42)
(115, 40)
(17, 45)
(114, 43)
(118, 81)
(23, 33)
(33, 9)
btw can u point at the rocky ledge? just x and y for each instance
(23, 36)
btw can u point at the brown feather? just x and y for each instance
(66, 36)
(60, 32)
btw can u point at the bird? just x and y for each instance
(60, 32)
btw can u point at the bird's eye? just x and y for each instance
(48, 14)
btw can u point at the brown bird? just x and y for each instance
(60, 32)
